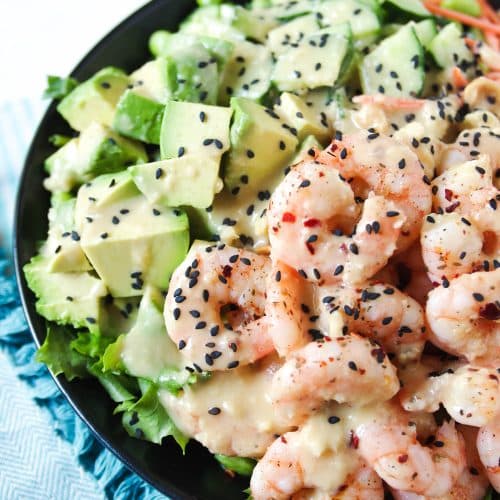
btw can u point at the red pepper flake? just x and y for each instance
(312, 223)
(353, 440)
(333, 147)
(283, 440)
(451, 208)
(490, 311)
(226, 271)
(310, 248)
(402, 459)
(448, 194)
(275, 229)
(321, 174)
(343, 248)
(288, 217)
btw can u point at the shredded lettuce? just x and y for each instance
(58, 88)
(240, 465)
(57, 353)
(147, 419)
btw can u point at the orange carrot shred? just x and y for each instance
(459, 79)
(482, 24)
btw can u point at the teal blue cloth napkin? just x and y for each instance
(46, 451)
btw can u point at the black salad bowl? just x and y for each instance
(195, 474)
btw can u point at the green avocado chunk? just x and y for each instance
(95, 99)
(194, 129)
(129, 242)
(190, 180)
(261, 143)
(63, 249)
(66, 298)
(98, 150)
(139, 117)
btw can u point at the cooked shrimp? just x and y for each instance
(408, 273)
(342, 369)
(468, 145)
(317, 462)
(215, 308)
(379, 164)
(380, 312)
(488, 446)
(287, 310)
(470, 394)
(231, 412)
(388, 442)
(464, 315)
(472, 483)
(310, 213)
(484, 94)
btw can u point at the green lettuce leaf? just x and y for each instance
(57, 353)
(240, 465)
(58, 88)
(147, 419)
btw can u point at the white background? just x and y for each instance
(41, 37)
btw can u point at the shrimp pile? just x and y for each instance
(360, 356)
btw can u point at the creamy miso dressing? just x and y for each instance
(244, 422)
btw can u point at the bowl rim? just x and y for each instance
(173, 491)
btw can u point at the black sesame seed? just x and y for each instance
(348, 310)
(180, 152)
(277, 277)
(75, 236)
(214, 330)
(376, 227)
(208, 142)
(91, 320)
(389, 291)
(104, 235)
(392, 213)
(352, 365)
(387, 320)
(176, 313)
(158, 173)
(333, 419)
(245, 261)
(282, 146)
(430, 219)
(180, 299)
(115, 220)
(202, 116)
(305, 183)
(478, 296)
(465, 221)
(493, 203)
(354, 248)
(233, 364)
(338, 270)
(194, 313)
(218, 144)
(200, 325)
(402, 163)
(156, 212)
(181, 345)
(214, 410)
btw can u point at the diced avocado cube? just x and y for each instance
(280, 39)
(247, 73)
(146, 350)
(164, 44)
(362, 17)
(396, 66)
(208, 21)
(304, 152)
(302, 118)
(62, 248)
(316, 62)
(66, 298)
(194, 129)
(449, 49)
(139, 117)
(95, 99)
(96, 151)
(261, 143)
(255, 25)
(153, 80)
(190, 180)
(130, 242)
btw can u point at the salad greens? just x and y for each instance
(190, 145)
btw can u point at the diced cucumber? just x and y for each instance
(247, 73)
(470, 7)
(426, 31)
(415, 7)
(316, 62)
(449, 49)
(281, 39)
(285, 11)
(363, 19)
(396, 66)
